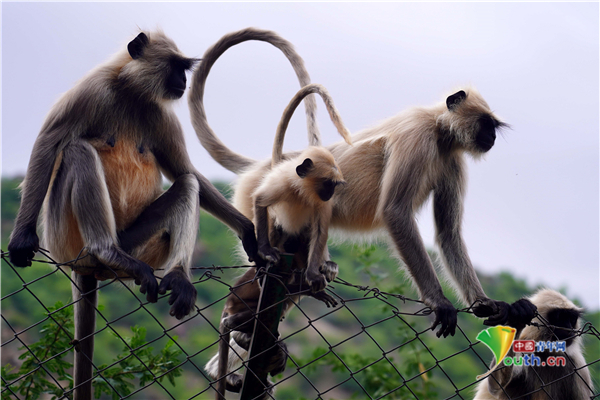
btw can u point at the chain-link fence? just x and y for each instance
(372, 344)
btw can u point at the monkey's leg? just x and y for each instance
(176, 212)
(81, 175)
(235, 355)
(407, 240)
(318, 252)
(242, 321)
(85, 296)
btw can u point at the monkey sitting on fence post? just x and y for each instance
(97, 168)
(291, 212)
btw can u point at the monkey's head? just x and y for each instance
(468, 123)
(156, 67)
(319, 172)
(558, 318)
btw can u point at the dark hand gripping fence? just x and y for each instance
(399, 310)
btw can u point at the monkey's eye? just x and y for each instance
(179, 63)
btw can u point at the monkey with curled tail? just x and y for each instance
(391, 170)
(291, 212)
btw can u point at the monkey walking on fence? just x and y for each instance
(391, 170)
(557, 320)
(291, 210)
(97, 168)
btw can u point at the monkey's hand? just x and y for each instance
(497, 311)
(22, 247)
(250, 244)
(325, 298)
(521, 313)
(269, 253)
(144, 276)
(330, 270)
(447, 316)
(517, 314)
(183, 293)
(316, 280)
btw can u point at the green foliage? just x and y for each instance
(43, 365)
(137, 362)
(43, 358)
(378, 376)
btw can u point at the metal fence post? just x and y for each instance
(265, 334)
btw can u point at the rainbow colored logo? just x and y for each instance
(499, 339)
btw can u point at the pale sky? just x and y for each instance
(532, 203)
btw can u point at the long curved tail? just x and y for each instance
(85, 296)
(223, 363)
(289, 111)
(222, 154)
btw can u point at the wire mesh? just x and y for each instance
(333, 352)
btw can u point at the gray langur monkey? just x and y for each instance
(558, 319)
(294, 195)
(390, 171)
(291, 209)
(97, 167)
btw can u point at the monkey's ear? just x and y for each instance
(454, 100)
(136, 46)
(303, 169)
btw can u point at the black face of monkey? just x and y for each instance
(176, 81)
(565, 318)
(326, 189)
(486, 135)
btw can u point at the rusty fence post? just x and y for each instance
(266, 324)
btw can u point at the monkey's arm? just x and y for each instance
(447, 207)
(24, 241)
(262, 200)
(174, 160)
(214, 202)
(400, 187)
(448, 210)
(318, 248)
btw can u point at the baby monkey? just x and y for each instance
(291, 210)
(293, 197)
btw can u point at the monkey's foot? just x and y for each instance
(183, 293)
(143, 275)
(234, 382)
(316, 280)
(325, 298)
(447, 316)
(330, 270)
(278, 359)
(22, 247)
(269, 253)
